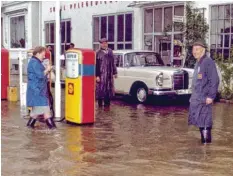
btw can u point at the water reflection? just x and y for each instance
(128, 139)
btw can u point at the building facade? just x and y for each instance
(126, 24)
(20, 29)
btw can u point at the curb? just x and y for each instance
(226, 101)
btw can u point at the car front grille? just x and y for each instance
(180, 80)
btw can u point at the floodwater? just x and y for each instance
(127, 140)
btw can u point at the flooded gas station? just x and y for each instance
(128, 139)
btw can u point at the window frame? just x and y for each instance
(62, 42)
(115, 42)
(153, 34)
(214, 47)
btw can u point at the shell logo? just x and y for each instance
(71, 88)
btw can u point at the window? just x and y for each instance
(221, 32)
(118, 60)
(157, 20)
(17, 32)
(168, 17)
(154, 27)
(50, 34)
(148, 21)
(143, 59)
(118, 29)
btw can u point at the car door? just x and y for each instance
(119, 82)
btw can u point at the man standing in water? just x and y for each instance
(204, 89)
(105, 73)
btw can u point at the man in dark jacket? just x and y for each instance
(105, 73)
(204, 89)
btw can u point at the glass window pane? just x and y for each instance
(219, 51)
(219, 41)
(120, 28)
(157, 18)
(226, 40)
(227, 11)
(226, 53)
(95, 47)
(231, 40)
(111, 46)
(214, 12)
(52, 33)
(213, 26)
(178, 37)
(231, 11)
(68, 32)
(103, 27)
(128, 27)
(168, 17)
(17, 32)
(96, 29)
(63, 32)
(232, 25)
(213, 41)
(47, 33)
(118, 60)
(120, 46)
(148, 20)
(227, 26)
(179, 10)
(221, 12)
(212, 53)
(148, 42)
(62, 48)
(111, 28)
(128, 46)
(220, 26)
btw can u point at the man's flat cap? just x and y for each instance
(199, 43)
(103, 40)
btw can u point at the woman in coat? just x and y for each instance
(37, 91)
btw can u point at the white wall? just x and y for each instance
(81, 19)
(35, 24)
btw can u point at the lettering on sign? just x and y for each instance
(72, 66)
(81, 4)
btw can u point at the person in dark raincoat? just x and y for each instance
(204, 89)
(105, 73)
(37, 90)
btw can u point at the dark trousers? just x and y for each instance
(106, 100)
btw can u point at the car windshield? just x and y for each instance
(143, 59)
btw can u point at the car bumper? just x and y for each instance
(170, 92)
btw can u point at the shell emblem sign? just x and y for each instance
(71, 88)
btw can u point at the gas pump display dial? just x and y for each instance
(72, 66)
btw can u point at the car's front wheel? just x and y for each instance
(140, 94)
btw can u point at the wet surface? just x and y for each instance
(126, 140)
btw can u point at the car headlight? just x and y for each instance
(159, 79)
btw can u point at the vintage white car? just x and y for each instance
(143, 73)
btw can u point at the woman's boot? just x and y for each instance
(50, 123)
(31, 123)
(206, 135)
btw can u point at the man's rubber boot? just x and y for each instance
(50, 123)
(31, 123)
(100, 103)
(206, 135)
